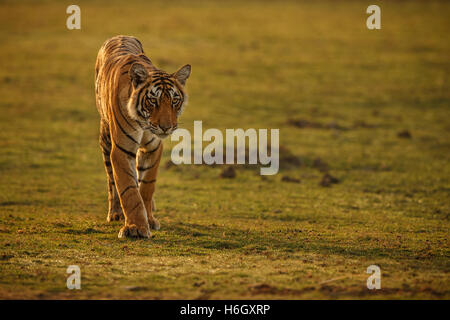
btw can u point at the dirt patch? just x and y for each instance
(302, 124)
(320, 165)
(6, 257)
(287, 160)
(228, 172)
(328, 180)
(268, 289)
(16, 203)
(84, 231)
(205, 294)
(405, 134)
(363, 124)
(135, 288)
(290, 179)
(199, 284)
(307, 124)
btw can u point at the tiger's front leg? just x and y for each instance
(136, 223)
(149, 157)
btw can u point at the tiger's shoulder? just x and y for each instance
(116, 49)
(114, 60)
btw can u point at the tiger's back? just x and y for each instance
(113, 62)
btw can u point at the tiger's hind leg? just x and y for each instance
(148, 158)
(115, 209)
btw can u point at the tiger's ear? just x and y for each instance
(182, 74)
(138, 74)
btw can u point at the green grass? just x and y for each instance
(255, 65)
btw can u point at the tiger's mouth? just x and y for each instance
(162, 135)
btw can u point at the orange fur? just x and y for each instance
(139, 106)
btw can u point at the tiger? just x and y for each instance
(139, 106)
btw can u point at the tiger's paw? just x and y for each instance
(133, 231)
(114, 216)
(154, 223)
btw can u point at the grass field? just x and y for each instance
(371, 108)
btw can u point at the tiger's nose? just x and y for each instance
(165, 127)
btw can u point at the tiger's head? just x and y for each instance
(157, 98)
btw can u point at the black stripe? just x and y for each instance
(108, 163)
(147, 181)
(126, 189)
(146, 168)
(123, 131)
(164, 82)
(139, 43)
(124, 118)
(167, 94)
(131, 175)
(127, 63)
(146, 58)
(105, 141)
(151, 140)
(142, 102)
(140, 125)
(151, 151)
(105, 150)
(129, 153)
(158, 82)
(139, 94)
(158, 89)
(138, 98)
